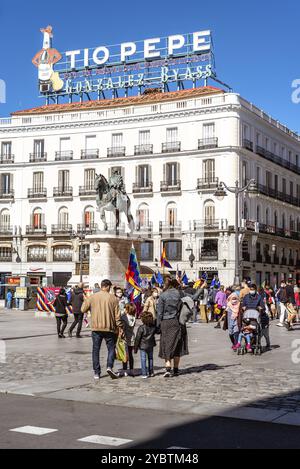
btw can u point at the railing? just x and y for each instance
(116, 151)
(282, 232)
(143, 149)
(87, 229)
(207, 184)
(37, 157)
(6, 258)
(89, 154)
(64, 155)
(207, 143)
(6, 230)
(248, 144)
(268, 155)
(209, 225)
(35, 259)
(7, 159)
(170, 147)
(39, 193)
(63, 192)
(275, 194)
(211, 255)
(8, 195)
(33, 230)
(138, 188)
(170, 186)
(62, 229)
(87, 191)
(60, 258)
(165, 227)
(145, 228)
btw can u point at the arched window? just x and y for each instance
(171, 215)
(38, 219)
(62, 253)
(5, 220)
(63, 217)
(209, 213)
(142, 216)
(89, 217)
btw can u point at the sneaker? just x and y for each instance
(280, 324)
(96, 377)
(125, 374)
(167, 374)
(176, 373)
(144, 377)
(248, 348)
(62, 336)
(112, 374)
(151, 375)
(237, 346)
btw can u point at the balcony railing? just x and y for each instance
(209, 225)
(139, 188)
(62, 229)
(7, 195)
(64, 155)
(209, 255)
(165, 227)
(6, 258)
(170, 147)
(37, 157)
(144, 228)
(116, 152)
(38, 193)
(248, 144)
(275, 194)
(282, 232)
(89, 154)
(206, 184)
(207, 143)
(170, 186)
(34, 230)
(63, 192)
(143, 149)
(87, 229)
(7, 159)
(268, 155)
(86, 191)
(32, 258)
(6, 230)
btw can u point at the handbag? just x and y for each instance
(185, 310)
(121, 351)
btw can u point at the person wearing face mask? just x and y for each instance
(255, 301)
(151, 303)
(119, 294)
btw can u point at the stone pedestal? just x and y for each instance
(109, 256)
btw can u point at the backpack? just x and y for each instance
(185, 310)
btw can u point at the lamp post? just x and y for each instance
(220, 194)
(81, 237)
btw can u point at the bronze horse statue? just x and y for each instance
(111, 197)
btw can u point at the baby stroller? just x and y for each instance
(254, 317)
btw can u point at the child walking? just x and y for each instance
(129, 320)
(145, 342)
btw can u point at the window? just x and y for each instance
(173, 250)
(62, 254)
(209, 213)
(290, 156)
(292, 189)
(267, 217)
(89, 178)
(5, 254)
(267, 141)
(258, 139)
(246, 135)
(209, 170)
(6, 183)
(208, 131)
(172, 135)
(283, 224)
(143, 216)
(258, 174)
(90, 142)
(298, 191)
(63, 180)
(209, 248)
(244, 173)
(37, 254)
(269, 179)
(171, 214)
(144, 137)
(276, 183)
(147, 251)
(297, 160)
(117, 140)
(284, 185)
(38, 181)
(65, 144)
(39, 147)
(38, 219)
(275, 220)
(172, 173)
(275, 148)
(143, 176)
(5, 219)
(258, 213)
(89, 217)
(84, 253)
(6, 149)
(63, 217)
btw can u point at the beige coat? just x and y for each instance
(150, 306)
(105, 312)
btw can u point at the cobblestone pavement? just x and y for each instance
(211, 374)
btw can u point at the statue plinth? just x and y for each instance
(109, 256)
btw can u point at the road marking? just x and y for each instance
(39, 431)
(104, 440)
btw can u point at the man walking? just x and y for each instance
(77, 300)
(106, 324)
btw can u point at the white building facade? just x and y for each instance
(172, 149)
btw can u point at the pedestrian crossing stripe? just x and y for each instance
(38, 431)
(104, 440)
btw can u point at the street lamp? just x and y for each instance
(220, 194)
(81, 237)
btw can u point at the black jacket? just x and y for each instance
(145, 338)
(60, 304)
(168, 305)
(77, 300)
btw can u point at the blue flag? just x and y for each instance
(159, 279)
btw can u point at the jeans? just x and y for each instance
(130, 359)
(247, 338)
(9, 304)
(111, 340)
(147, 354)
(78, 318)
(234, 338)
(61, 323)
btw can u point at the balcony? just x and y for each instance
(171, 147)
(36, 231)
(6, 258)
(207, 184)
(63, 192)
(268, 259)
(284, 261)
(7, 195)
(170, 186)
(6, 231)
(276, 260)
(207, 143)
(145, 229)
(167, 228)
(209, 255)
(275, 194)
(141, 189)
(143, 149)
(248, 144)
(116, 152)
(37, 157)
(35, 258)
(87, 191)
(209, 225)
(63, 155)
(89, 154)
(65, 230)
(87, 229)
(259, 258)
(7, 159)
(291, 262)
(268, 155)
(38, 193)
(281, 232)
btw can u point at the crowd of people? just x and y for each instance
(165, 312)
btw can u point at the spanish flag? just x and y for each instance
(164, 261)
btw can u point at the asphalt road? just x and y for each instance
(146, 429)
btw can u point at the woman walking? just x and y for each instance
(174, 339)
(233, 318)
(60, 304)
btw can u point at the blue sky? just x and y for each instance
(256, 43)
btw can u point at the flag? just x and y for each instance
(215, 282)
(164, 261)
(154, 280)
(197, 284)
(132, 275)
(185, 279)
(160, 279)
(205, 276)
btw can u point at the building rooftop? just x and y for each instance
(149, 97)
